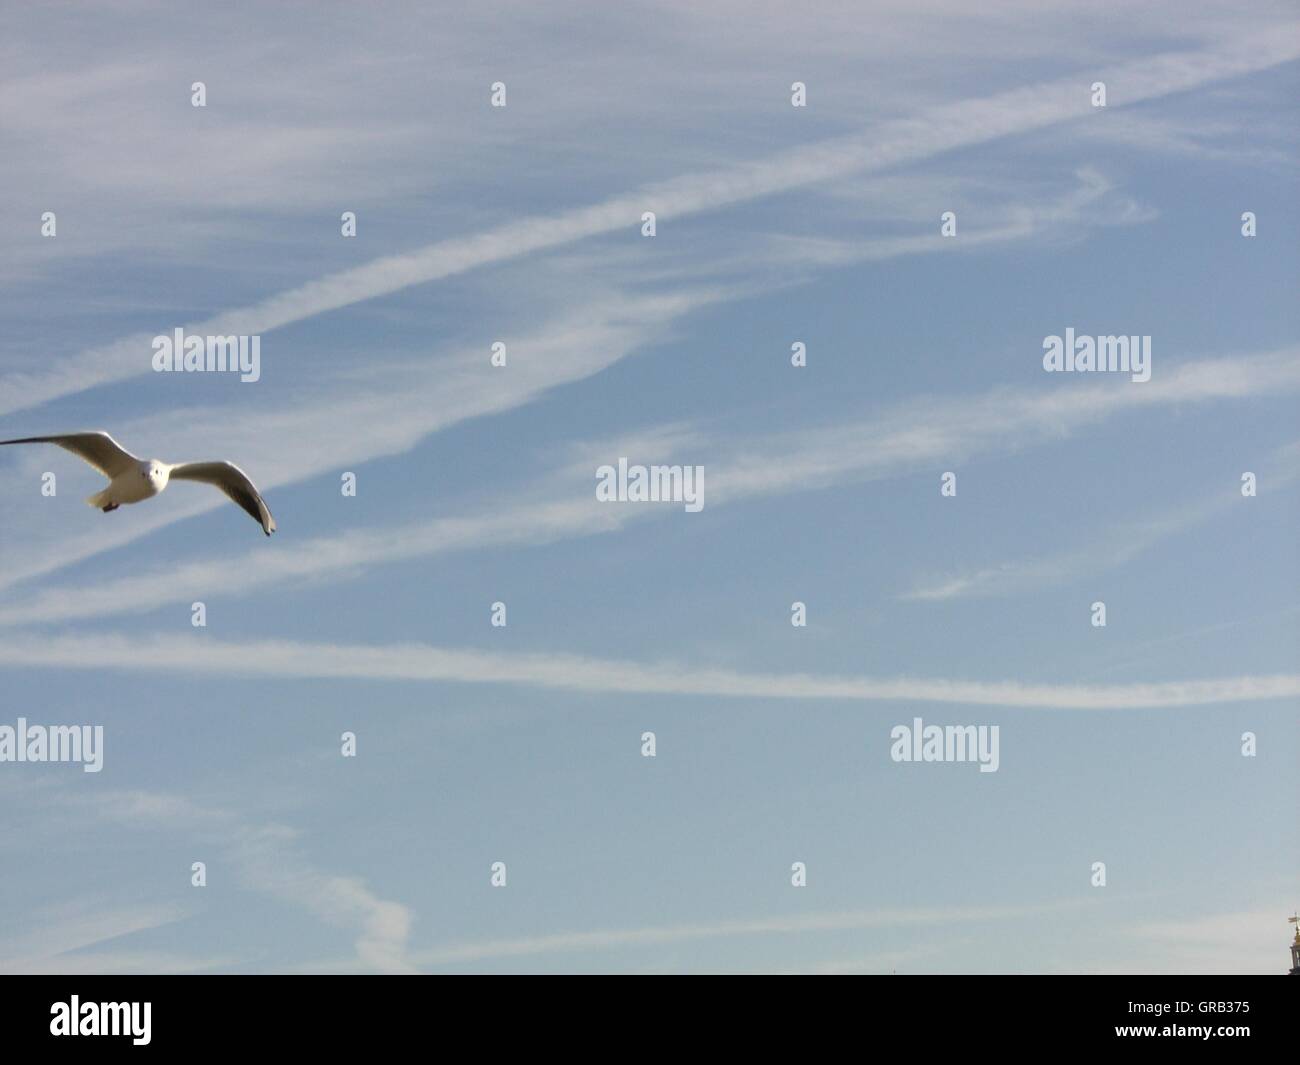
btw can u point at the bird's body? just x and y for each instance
(145, 481)
(132, 480)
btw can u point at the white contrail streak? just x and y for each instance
(936, 130)
(422, 662)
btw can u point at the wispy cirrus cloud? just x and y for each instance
(72, 937)
(942, 128)
(1109, 550)
(266, 859)
(564, 672)
(1246, 941)
(294, 441)
(900, 440)
(636, 305)
(785, 925)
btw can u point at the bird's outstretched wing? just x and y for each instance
(98, 448)
(231, 480)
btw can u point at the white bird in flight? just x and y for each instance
(131, 479)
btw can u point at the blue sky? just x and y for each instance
(475, 484)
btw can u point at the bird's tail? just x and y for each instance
(99, 500)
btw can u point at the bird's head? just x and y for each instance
(155, 472)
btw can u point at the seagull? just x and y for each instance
(131, 479)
